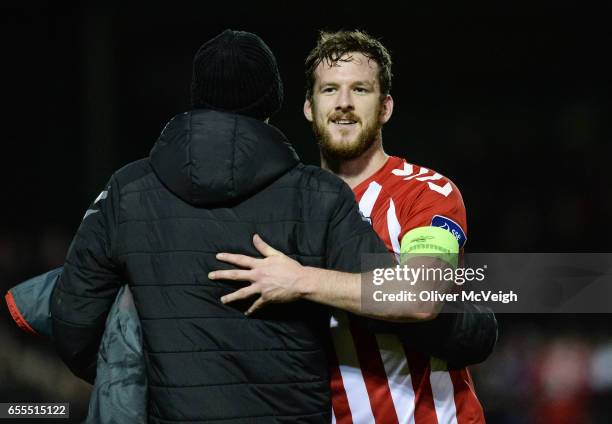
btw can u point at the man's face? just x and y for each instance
(346, 109)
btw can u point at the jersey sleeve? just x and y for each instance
(461, 339)
(437, 204)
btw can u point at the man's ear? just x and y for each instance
(387, 109)
(308, 109)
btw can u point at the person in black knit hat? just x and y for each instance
(217, 175)
(236, 72)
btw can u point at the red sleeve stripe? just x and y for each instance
(16, 315)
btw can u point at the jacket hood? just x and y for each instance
(207, 157)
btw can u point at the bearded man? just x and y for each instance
(376, 376)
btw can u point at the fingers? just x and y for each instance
(243, 293)
(243, 261)
(255, 306)
(231, 274)
(264, 248)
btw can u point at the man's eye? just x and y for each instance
(329, 90)
(361, 89)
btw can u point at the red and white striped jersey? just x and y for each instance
(375, 378)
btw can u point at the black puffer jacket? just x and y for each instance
(211, 182)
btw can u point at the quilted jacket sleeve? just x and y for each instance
(88, 286)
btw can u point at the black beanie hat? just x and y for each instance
(236, 72)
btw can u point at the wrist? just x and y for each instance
(306, 281)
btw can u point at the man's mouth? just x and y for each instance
(344, 121)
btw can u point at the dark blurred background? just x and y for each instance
(512, 101)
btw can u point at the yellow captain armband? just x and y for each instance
(433, 242)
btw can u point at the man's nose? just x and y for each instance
(344, 101)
